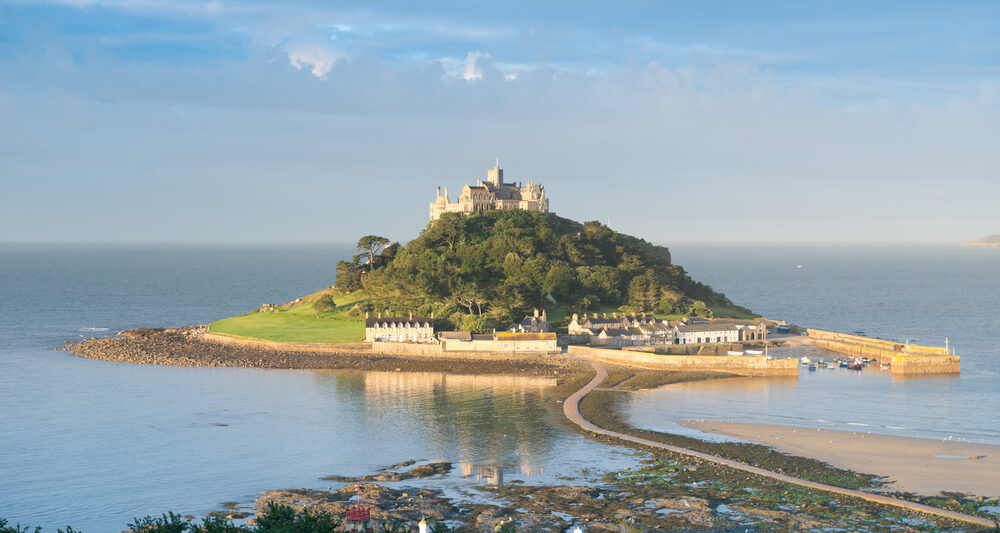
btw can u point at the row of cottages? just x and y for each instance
(531, 335)
(621, 330)
(399, 329)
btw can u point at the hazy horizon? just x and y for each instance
(243, 121)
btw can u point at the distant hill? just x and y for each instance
(482, 271)
(989, 240)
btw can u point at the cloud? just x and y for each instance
(473, 69)
(318, 57)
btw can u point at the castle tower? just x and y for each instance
(495, 175)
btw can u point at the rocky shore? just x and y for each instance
(665, 493)
(187, 346)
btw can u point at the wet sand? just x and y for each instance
(922, 466)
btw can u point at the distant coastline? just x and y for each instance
(989, 241)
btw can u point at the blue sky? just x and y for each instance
(142, 120)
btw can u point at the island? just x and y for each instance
(495, 283)
(987, 241)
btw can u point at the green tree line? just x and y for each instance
(480, 271)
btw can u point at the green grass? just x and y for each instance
(723, 311)
(299, 323)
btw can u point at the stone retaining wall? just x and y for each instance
(752, 365)
(903, 359)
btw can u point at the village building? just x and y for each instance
(749, 329)
(399, 329)
(706, 333)
(492, 194)
(621, 330)
(463, 341)
(533, 324)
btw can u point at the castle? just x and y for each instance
(492, 194)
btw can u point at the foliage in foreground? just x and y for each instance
(277, 518)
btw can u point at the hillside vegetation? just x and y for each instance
(299, 322)
(483, 271)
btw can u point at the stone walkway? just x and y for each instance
(571, 407)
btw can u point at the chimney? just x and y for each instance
(545, 315)
(366, 315)
(432, 315)
(536, 312)
(439, 191)
(411, 315)
(380, 314)
(446, 193)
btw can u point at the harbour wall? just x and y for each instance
(743, 365)
(907, 359)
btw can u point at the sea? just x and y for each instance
(93, 444)
(930, 294)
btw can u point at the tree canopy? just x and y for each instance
(489, 268)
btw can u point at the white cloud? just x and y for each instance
(473, 70)
(318, 57)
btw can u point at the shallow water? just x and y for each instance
(923, 293)
(93, 444)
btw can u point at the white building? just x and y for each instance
(709, 333)
(400, 329)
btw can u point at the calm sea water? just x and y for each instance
(93, 444)
(920, 293)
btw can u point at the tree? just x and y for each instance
(371, 246)
(323, 303)
(644, 291)
(348, 276)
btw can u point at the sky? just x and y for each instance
(263, 121)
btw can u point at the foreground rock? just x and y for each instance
(664, 494)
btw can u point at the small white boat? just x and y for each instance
(805, 360)
(753, 352)
(730, 352)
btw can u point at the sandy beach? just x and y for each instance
(923, 466)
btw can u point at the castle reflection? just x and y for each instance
(488, 424)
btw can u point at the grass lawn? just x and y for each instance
(299, 323)
(722, 311)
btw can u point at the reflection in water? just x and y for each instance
(491, 474)
(495, 421)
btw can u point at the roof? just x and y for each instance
(738, 321)
(526, 336)
(456, 335)
(601, 320)
(416, 322)
(694, 328)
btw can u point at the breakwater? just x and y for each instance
(193, 346)
(743, 365)
(903, 359)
